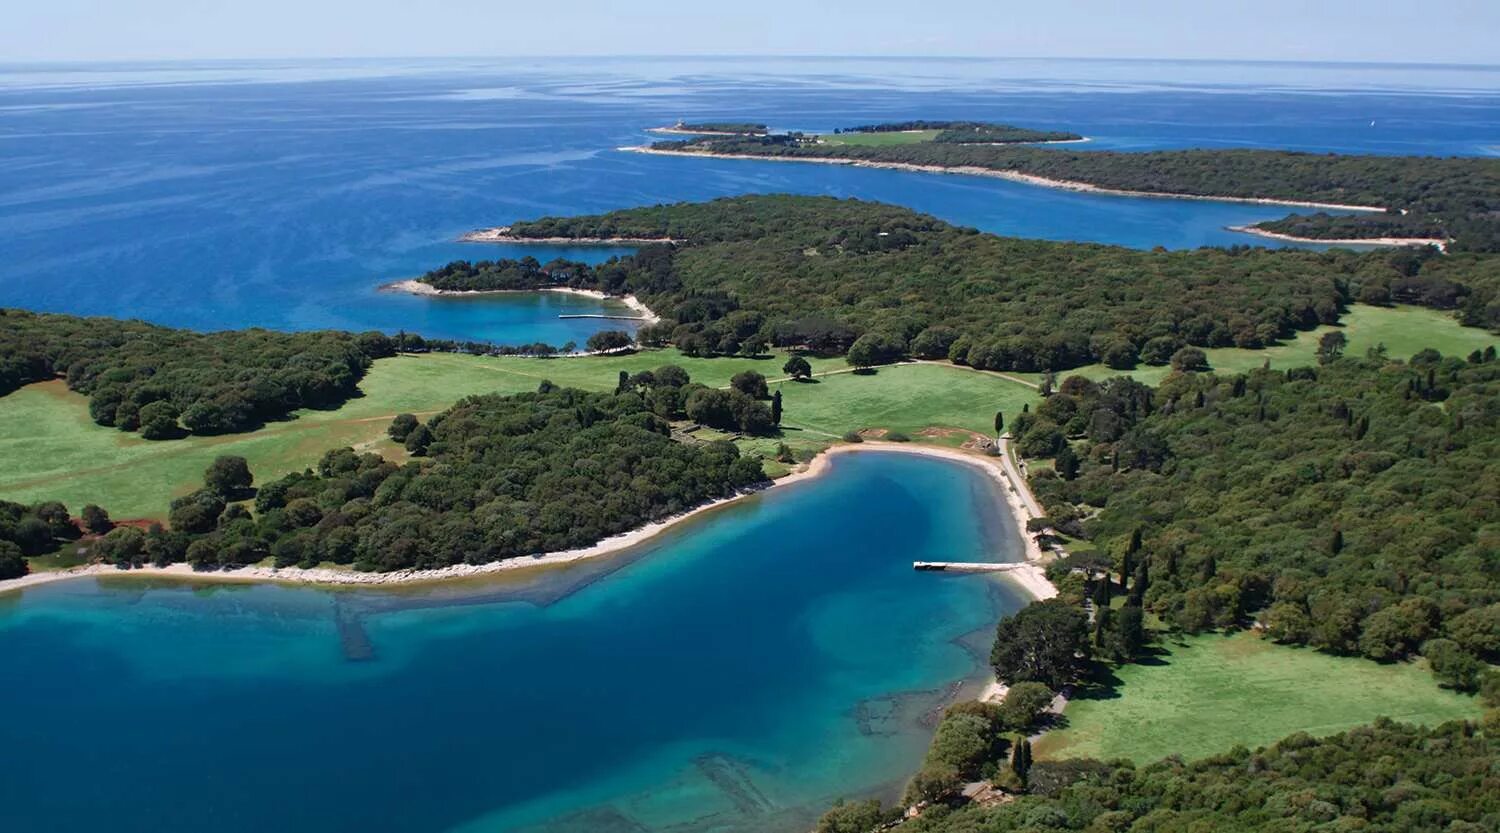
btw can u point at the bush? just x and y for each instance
(853, 817)
(1189, 359)
(12, 561)
(401, 427)
(228, 476)
(751, 384)
(1023, 704)
(853, 437)
(95, 520)
(1452, 665)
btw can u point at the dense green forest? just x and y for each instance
(493, 477)
(164, 382)
(1351, 506)
(1458, 195)
(968, 132)
(820, 273)
(1384, 777)
(507, 274)
(721, 127)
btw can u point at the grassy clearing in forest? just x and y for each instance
(51, 450)
(1206, 693)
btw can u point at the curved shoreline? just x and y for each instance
(1013, 176)
(1031, 577)
(501, 234)
(1442, 245)
(416, 287)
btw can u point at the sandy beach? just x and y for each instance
(501, 234)
(416, 287)
(1031, 578)
(1442, 245)
(1014, 176)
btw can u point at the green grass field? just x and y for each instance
(879, 139)
(1403, 330)
(51, 450)
(1217, 691)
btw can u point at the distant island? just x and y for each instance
(878, 283)
(715, 128)
(1450, 200)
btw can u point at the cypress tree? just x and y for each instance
(624, 383)
(1336, 542)
(1066, 462)
(1142, 581)
(999, 423)
(1020, 758)
(776, 407)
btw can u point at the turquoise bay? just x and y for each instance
(737, 674)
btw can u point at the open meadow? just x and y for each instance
(51, 450)
(1206, 693)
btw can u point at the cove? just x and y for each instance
(737, 673)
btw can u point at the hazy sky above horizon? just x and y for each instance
(1435, 31)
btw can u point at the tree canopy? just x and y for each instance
(1349, 506)
(167, 382)
(497, 477)
(821, 273)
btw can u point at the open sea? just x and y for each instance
(739, 673)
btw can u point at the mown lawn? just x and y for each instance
(51, 450)
(1403, 330)
(879, 139)
(1211, 692)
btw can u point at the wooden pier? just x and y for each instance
(966, 566)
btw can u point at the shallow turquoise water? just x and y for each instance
(739, 674)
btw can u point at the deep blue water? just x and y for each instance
(739, 675)
(222, 195)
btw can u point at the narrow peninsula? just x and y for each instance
(1442, 200)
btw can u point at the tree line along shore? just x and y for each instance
(1357, 522)
(1453, 199)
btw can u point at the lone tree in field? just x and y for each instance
(401, 427)
(999, 423)
(228, 476)
(1045, 642)
(776, 408)
(797, 368)
(1331, 347)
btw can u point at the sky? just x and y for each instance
(1399, 31)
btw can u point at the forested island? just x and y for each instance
(717, 128)
(880, 283)
(1453, 198)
